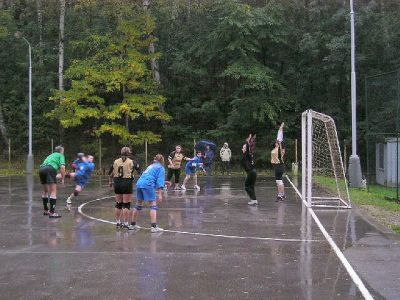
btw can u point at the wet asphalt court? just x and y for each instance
(273, 251)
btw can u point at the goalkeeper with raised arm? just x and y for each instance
(277, 161)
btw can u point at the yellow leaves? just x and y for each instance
(113, 83)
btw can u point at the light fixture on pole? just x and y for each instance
(355, 176)
(29, 161)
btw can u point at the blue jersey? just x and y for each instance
(85, 170)
(152, 177)
(194, 163)
(75, 164)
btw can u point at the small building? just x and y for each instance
(387, 162)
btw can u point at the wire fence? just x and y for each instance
(13, 158)
(382, 132)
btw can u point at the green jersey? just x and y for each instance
(55, 160)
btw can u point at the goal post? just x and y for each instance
(324, 182)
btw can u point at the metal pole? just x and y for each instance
(355, 176)
(353, 84)
(29, 162)
(52, 145)
(303, 155)
(309, 158)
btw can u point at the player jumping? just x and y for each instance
(81, 176)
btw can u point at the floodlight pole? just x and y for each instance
(355, 176)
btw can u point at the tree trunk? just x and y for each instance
(154, 62)
(40, 25)
(61, 47)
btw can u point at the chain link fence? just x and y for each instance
(382, 132)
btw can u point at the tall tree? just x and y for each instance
(39, 11)
(113, 84)
(61, 46)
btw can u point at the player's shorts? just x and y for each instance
(279, 169)
(81, 181)
(123, 185)
(47, 175)
(190, 171)
(145, 194)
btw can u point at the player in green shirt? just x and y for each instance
(48, 178)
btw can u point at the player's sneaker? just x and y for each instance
(46, 213)
(183, 187)
(177, 187)
(118, 225)
(156, 229)
(54, 215)
(252, 202)
(133, 227)
(69, 200)
(196, 187)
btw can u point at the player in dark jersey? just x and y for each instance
(248, 165)
(175, 159)
(121, 176)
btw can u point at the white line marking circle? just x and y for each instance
(195, 233)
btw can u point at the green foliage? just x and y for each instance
(113, 85)
(226, 67)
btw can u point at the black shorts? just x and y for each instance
(47, 175)
(123, 185)
(279, 169)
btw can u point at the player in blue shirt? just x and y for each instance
(84, 170)
(191, 167)
(152, 179)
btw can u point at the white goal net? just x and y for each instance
(324, 182)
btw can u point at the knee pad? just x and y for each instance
(154, 207)
(126, 205)
(138, 207)
(279, 182)
(76, 193)
(118, 205)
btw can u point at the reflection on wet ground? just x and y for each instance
(78, 257)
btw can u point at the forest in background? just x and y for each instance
(171, 71)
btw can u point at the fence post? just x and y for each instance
(100, 155)
(344, 157)
(295, 166)
(145, 151)
(9, 154)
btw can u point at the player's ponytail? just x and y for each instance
(159, 158)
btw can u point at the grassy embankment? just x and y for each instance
(381, 198)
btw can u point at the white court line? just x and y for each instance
(194, 233)
(356, 279)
